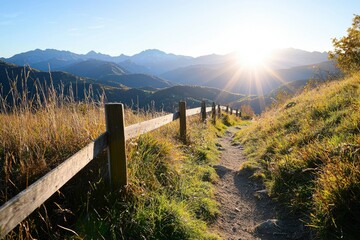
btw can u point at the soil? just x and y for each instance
(247, 212)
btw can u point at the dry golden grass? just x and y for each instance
(34, 141)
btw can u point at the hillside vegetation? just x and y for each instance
(308, 154)
(38, 135)
(170, 192)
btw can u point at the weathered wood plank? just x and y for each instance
(23, 204)
(147, 126)
(193, 111)
(208, 109)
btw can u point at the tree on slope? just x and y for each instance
(346, 51)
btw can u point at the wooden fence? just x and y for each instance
(22, 205)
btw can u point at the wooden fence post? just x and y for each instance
(214, 112)
(115, 127)
(219, 110)
(203, 111)
(227, 109)
(231, 111)
(240, 113)
(237, 112)
(182, 114)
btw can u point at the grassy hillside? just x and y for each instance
(307, 152)
(170, 192)
(170, 195)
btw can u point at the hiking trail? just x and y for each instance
(246, 210)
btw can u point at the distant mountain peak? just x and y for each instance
(91, 52)
(153, 51)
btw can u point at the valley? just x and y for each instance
(157, 80)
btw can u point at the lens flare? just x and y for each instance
(252, 57)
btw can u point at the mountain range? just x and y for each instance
(143, 74)
(233, 78)
(153, 61)
(13, 78)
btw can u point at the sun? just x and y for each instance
(252, 56)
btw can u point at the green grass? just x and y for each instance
(171, 191)
(170, 194)
(308, 156)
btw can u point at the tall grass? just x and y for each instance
(307, 152)
(41, 127)
(170, 193)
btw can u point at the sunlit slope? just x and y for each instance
(308, 153)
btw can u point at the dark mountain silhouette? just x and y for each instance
(134, 67)
(109, 73)
(95, 69)
(12, 75)
(166, 99)
(54, 64)
(193, 95)
(137, 80)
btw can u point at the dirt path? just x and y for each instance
(246, 210)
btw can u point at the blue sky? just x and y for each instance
(188, 27)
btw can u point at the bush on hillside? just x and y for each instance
(347, 49)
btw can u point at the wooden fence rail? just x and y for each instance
(23, 204)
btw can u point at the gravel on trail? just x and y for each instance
(246, 210)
